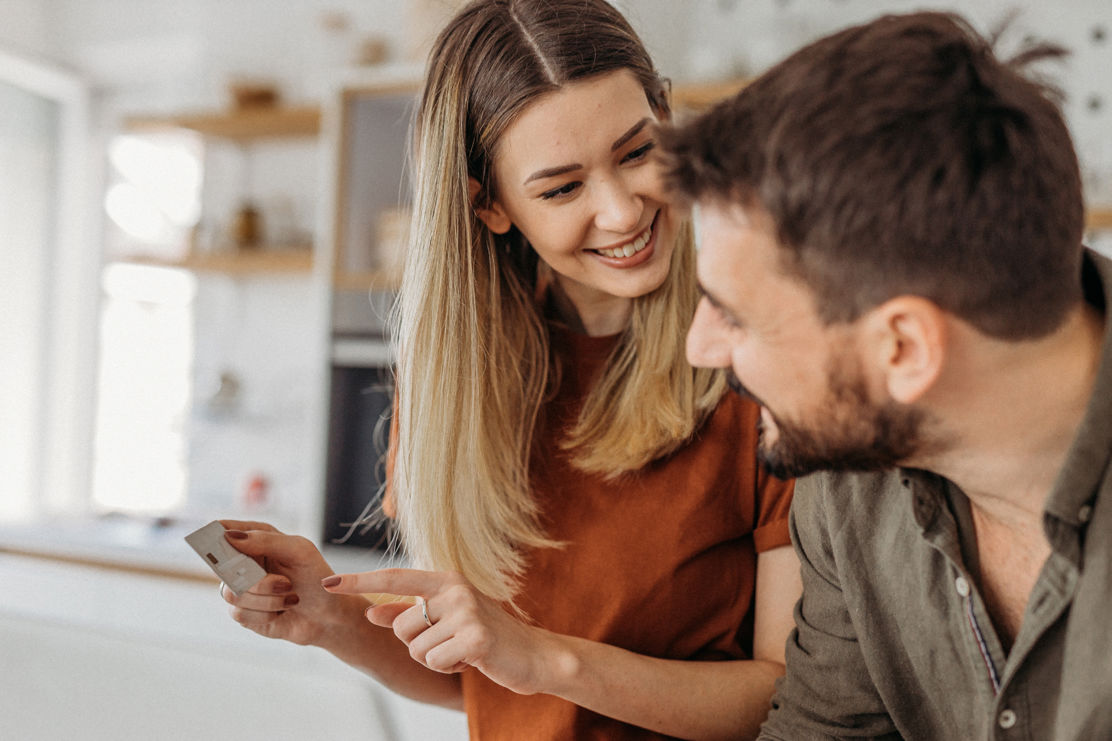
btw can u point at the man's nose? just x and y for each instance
(706, 345)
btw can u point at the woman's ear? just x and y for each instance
(494, 216)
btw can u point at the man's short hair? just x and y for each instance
(902, 157)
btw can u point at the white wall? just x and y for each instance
(25, 28)
(722, 37)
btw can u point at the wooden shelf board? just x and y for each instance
(378, 280)
(240, 125)
(1098, 219)
(699, 96)
(258, 260)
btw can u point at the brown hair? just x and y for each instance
(474, 358)
(902, 157)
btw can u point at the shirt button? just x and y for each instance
(1084, 513)
(962, 586)
(1007, 719)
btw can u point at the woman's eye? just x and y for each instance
(563, 190)
(640, 153)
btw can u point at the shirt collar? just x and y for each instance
(1072, 495)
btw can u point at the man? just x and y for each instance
(890, 231)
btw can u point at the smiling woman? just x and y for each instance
(604, 557)
(590, 202)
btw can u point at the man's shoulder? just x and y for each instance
(860, 505)
(844, 492)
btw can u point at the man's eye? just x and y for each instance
(725, 318)
(563, 190)
(640, 153)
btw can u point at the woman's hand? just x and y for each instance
(464, 628)
(289, 602)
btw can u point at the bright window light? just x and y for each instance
(154, 199)
(144, 395)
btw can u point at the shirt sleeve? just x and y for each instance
(827, 692)
(774, 499)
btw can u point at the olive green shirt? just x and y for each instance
(893, 639)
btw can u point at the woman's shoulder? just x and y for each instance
(735, 409)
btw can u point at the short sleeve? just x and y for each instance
(774, 499)
(828, 690)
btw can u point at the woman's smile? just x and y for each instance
(632, 253)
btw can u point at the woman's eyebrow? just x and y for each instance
(629, 134)
(550, 172)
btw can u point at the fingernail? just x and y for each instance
(330, 581)
(367, 612)
(282, 587)
(236, 535)
(292, 600)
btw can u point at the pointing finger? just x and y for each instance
(392, 581)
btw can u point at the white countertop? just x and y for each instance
(143, 545)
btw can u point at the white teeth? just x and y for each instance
(630, 248)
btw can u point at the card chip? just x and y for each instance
(212, 558)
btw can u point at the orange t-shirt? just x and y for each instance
(661, 562)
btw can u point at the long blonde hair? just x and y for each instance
(474, 360)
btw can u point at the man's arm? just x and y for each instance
(827, 692)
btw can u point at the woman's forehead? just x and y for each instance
(581, 117)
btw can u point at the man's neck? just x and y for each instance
(1011, 411)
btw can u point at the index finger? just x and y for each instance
(247, 525)
(410, 582)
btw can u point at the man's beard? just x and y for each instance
(848, 431)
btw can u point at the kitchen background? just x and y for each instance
(200, 206)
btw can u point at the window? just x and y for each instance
(48, 302)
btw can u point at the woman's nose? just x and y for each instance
(619, 207)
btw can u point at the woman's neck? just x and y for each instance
(588, 311)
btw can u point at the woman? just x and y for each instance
(590, 506)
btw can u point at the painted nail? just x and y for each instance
(282, 587)
(291, 600)
(330, 581)
(236, 535)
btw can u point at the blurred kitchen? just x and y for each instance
(202, 205)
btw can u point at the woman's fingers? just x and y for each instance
(272, 594)
(247, 525)
(384, 615)
(390, 581)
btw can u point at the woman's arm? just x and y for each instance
(290, 604)
(689, 699)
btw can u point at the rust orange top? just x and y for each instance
(661, 563)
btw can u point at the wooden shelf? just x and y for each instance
(699, 96)
(1098, 219)
(239, 125)
(380, 280)
(257, 261)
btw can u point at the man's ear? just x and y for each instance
(908, 336)
(494, 216)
